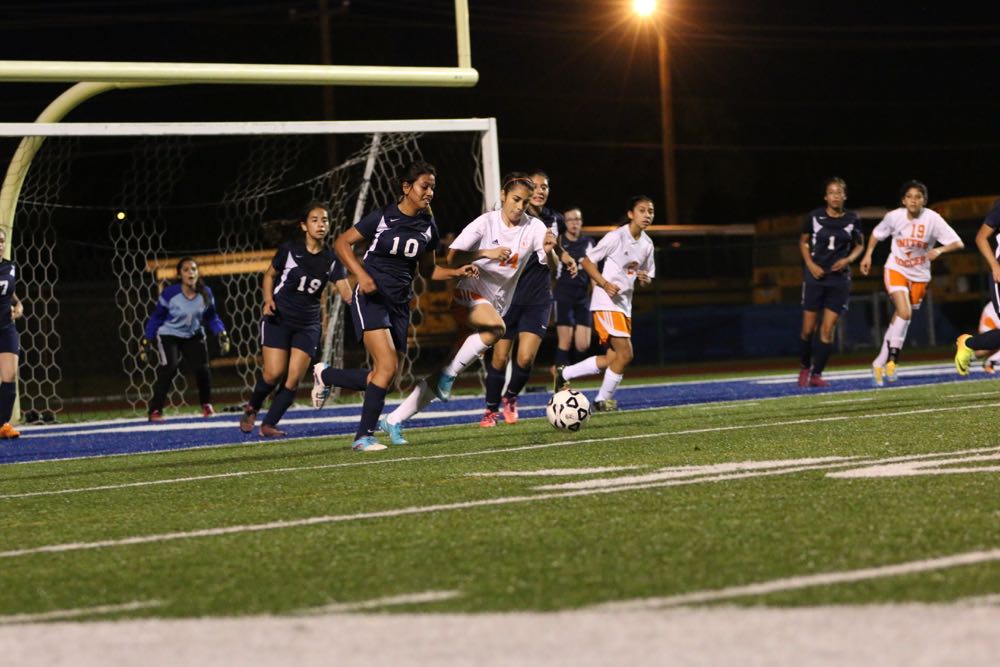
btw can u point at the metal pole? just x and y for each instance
(667, 128)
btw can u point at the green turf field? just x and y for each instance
(638, 505)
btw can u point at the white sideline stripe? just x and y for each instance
(556, 472)
(378, 603)
(909, 371)
(922, 468)
(485, 452)
(159, 427)
(806, 581)
(392, 513)
(74, 613)
(845, 400)
(407, 511)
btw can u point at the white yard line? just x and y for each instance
(845, 400)
(724, 405)
(379, 603)
(556, 472)
(807, 581)
(62, 614)
(504, 450)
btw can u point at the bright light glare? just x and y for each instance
(644, 7)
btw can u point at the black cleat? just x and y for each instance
(607, 405)
(558, 381)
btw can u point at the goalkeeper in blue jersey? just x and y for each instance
(175, 334)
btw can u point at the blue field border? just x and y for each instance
(128, 436)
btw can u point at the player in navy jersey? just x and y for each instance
(10, 348)
(293, 287)
(177, 326)
(831, 240)
(528, 317)
(983, 344)
(572, 294)
(400, 236)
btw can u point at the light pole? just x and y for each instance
(647, 9)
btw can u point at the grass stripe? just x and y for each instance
(807, 581)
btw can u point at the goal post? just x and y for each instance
(107, 209)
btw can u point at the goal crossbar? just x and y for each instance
(245, 128)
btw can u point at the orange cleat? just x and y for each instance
(8, 432)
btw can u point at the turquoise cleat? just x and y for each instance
(395, 432)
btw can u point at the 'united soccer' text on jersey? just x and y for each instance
(397, 241)
(911, 239)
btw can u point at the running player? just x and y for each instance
(914, 230)
(628, 256)
(11, 309)
(178, 327)
(500, 243)
(293, 286)
(527, 319)
(985, 341)
(399, 236)
(572, 294)
(831, 240)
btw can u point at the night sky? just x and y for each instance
(770, 96)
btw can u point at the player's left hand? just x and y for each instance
(643, 277)
(839, 265)
(16, 310)
(467, 271)
(224, 343)
(933, 254)
(570, 264)
(550, 241)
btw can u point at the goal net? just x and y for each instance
(107, 210)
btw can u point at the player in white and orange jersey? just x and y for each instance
(498, 243)
(914, 230)
(627, 253)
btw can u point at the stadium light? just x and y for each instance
(644, 8)
(647, 10)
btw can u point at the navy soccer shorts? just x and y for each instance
(825, 294)
(527, 319)
(283, 336)
(9, 340)
(372, 311)
(573, 313)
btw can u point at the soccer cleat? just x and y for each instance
(320, 392)
(368, 443)
(607, 405)
(988, 367)
(804, 377)
(8, 432)
(248, 419)
(890, 370)
(816, 380)
(510, 409)
(394, 431)
(268, 431)
(878, 376)
(558, 381)
(490, 418)
(207, 410)
(155, 416)
(963, 355)
(442, 386)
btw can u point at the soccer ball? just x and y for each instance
(568, 410)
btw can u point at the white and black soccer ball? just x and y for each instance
(568, 410)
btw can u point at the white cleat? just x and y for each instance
(320, 392)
